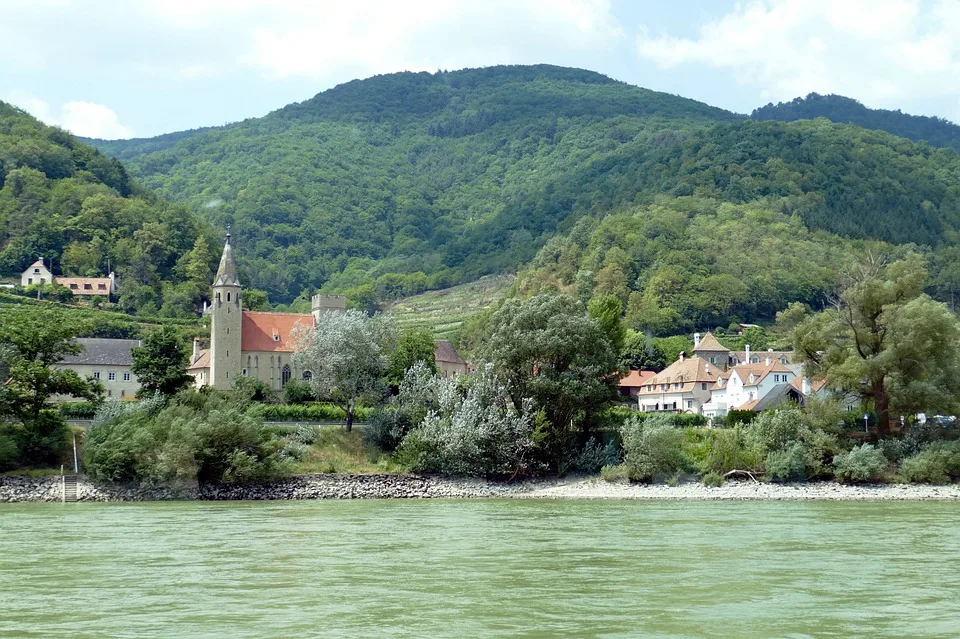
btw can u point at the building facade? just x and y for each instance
(682, 387)
(37, 273)
(261, 344)
(110, 361)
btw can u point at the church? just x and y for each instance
(250, 343)
(261, 344)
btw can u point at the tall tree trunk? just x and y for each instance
(349, 412)
(881, 404)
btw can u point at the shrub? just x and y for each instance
(618, 473)
(789, 464)
(938, 463)
(78, 410)
(774, 430)
(863, 463)
(735, 417)
(307, 413)
(594, 456)
(210, 438)
(41, 441)
(653, 447)
(713, 479)
(9, 451)
(729, 451)
(926, 467)
(306, 434)
(297, 392)
(474, 431)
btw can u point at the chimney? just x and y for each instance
(696, 340)
(768, 360)
(196, 350)
(806, 387)
(747, 354)
(706, 368)
(682, 355)
(113, 282)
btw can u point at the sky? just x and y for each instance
(139, 68)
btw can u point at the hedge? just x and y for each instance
(308, 413)
(78, 410)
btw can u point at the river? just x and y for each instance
(484, 568)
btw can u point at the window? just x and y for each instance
(29, 281)
(228, 296)
(285, 374)
(244, 372)
(123, 393)
(73, 286)
(87, 287)
(101, 287)
(713, 360)
(96, 374)
(689, 403)
(126, 377)
(109, 393)
(307, 376)
(703, 386)
(276, 337)
(228, 330)
(111, 376)
(36, 270)
(218, 296)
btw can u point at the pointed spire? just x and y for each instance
(227, 273)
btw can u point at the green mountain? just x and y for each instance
(386, 187)
(937, 132)
(67, 202)
(408, 181)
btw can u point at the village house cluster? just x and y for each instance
(38, 274)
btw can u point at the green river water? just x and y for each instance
(484, 568)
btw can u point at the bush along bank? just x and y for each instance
(795, 445)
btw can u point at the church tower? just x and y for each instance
(225, 321)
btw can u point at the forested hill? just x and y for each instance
(81, 211)
(935, 131)
(392, 180)
(388, 186)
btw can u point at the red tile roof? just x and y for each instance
(635, 379)
(260, 331)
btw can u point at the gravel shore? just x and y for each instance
(47, 489)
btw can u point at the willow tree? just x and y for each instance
(884, 340)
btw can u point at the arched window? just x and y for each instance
(285, 375)
(228, 296)
(307, 376)
(256, 361)
(248, 361)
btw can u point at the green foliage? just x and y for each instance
(546, 350)
(728, 449)
(652, 447)
(713, 479)
(160, 363)
(606, 310)
(864, 463)
(938, 463)
(735, 417)
(619, 473)
(473, 431)
(885, 341)
(316, 412)
(935, 131)
(787, 464)
(297, 392)
(67, 202)
(78, 410)
(414, 345)
(207, 437)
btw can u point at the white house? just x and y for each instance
(682, 387)
(36, 273)
(744, 386)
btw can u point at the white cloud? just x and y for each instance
(298, 38)
(884, 52)
(86, 119)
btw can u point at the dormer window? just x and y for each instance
(276, 337)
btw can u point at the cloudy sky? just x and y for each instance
(136, 68)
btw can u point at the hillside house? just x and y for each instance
(36, 273)
(682, 387)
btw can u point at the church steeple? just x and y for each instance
(226, 323)
(227, 273)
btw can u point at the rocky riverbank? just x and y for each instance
(47, 489)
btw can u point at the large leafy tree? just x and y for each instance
(160, 364)
(31, 344)
(347, 354)
(547, 349)
(884, 340)
(414, 345)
